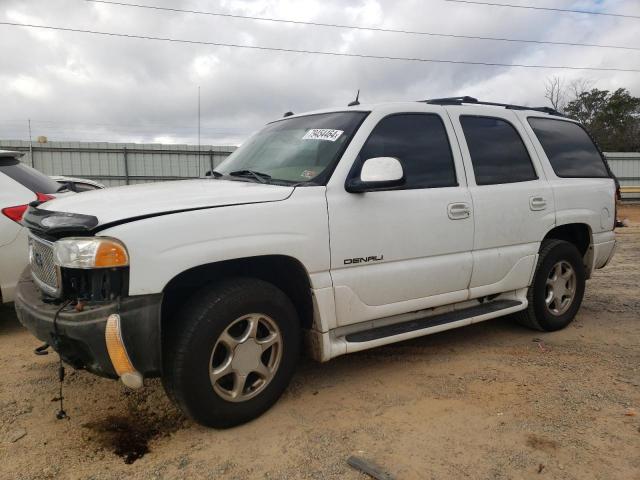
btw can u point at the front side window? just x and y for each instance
(296, 150)
(497, 151)
(568, 148)
(420, 143)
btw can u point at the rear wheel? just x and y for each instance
(558, 287)
(234, 354)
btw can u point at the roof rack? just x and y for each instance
(475, 101)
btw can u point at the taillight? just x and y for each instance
(43, 197)
(16, 213)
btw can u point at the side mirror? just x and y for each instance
(377, 173)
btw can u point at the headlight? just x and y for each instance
(90, 252)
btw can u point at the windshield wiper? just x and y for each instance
(213, 174)
(261, 177)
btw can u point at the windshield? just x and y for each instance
(296, 150)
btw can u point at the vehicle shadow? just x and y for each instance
(490, 334)
(8, 321)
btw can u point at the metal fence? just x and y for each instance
(128, 163)
(626, 166)
(120, 163)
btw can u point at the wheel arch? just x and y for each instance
(285, 272)
(578, 234)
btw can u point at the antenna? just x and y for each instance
(30, 145)
(199, 129)
(355, 102)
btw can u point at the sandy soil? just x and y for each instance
(493, 401)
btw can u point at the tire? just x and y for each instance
(209, 341)
(548, 318)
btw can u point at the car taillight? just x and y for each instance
(16, 213)
(43, 197)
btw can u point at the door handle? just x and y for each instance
(458, 211)
(537, 203)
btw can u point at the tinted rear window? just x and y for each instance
(497, 152)
(569, 149)
(27, 176)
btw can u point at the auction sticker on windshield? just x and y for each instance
(323, 134)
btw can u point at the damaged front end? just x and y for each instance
(69, 264)
(74, 296)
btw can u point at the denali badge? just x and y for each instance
(349, 261)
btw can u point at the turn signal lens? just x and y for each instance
(111, 254)
(115, 347)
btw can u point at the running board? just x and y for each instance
(429, 322)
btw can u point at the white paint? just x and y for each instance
(381, 169)
(372, 258)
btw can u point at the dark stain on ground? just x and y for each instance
(541, 443)
(128, 436)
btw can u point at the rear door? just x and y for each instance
(408, 248)
(512, 200)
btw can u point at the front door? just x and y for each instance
(409, 248)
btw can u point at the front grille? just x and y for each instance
(43, 269)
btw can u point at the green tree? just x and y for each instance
(612, 118)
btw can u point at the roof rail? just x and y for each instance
(475, 101)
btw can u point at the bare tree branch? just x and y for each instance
(579, 86)
(555, 92)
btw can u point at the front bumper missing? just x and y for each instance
(81, 338)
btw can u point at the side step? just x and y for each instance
(434, 321)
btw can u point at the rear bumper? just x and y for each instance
(80, 338)
(604, 246)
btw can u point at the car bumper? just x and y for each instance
(80, 338)
(604, 247)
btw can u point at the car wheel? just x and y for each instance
(558, 287)
(234, 353)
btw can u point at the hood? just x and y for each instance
(146, 200)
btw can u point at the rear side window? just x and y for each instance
(27, 176)
(497, 152)
(569, 149)
(420, 142)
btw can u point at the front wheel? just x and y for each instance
(558, 287)
(234, 353)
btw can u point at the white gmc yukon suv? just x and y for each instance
(348, 228)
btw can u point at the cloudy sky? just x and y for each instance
(75, 86)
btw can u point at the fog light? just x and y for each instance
(118, 353)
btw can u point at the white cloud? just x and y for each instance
(86, 87)
(28, 87)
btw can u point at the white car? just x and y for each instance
(76, 184)
(353, 228)
(19, 186)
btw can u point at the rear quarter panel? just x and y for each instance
(585, 200)
(13, 237)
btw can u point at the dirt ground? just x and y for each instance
(490, 401)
